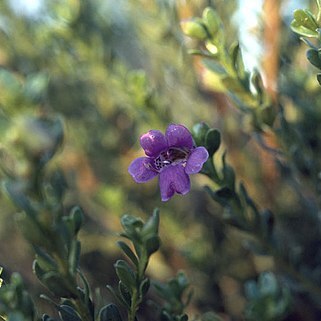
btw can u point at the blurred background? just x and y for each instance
(115, 69)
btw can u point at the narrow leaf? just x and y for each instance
(125, 274)
(127, 250)
(67, 313)
(109, 313)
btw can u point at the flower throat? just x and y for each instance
(170, 156)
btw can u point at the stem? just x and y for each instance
(212, 173)
(71, 282)
(133, 307)
(137, 296)
(86, 286)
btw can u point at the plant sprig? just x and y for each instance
(133, 283)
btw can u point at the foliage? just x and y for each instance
(80, 80)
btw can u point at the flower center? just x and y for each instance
(171, 156)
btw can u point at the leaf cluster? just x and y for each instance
(226, 63)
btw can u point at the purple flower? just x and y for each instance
(172, 156)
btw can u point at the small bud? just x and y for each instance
(194, 28)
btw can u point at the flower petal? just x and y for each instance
(153, 142)
(141, 171)
(173, 179)
(178, 136)
(196, 160)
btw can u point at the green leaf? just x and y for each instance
(164, 291)
(240, 92)
(175, 288)
(229, 176)
(15, 191)
(132, 225)
(73, 258)
(52, 280)
(67, 313)
(46, 317)
(250, 203)
(77, 217)
(267, 223)
(152, 244)
(194, 28)
(212, 21)
(67, 302)
(182, 317)
(32, 230)
(304, 23)
(199, 132)
(124, 293)
(165, 316)
(214, 66)
(223, 195)
(125, 274)
(44, 260)
(144, 287)
(150, 228)
(56, 284)
(119, 297)
(127, 250)
(237, 60)
(84, 294)
(267, 299)
(314, 57)
(212, 141)
(65, 228)
(109, 313)
(257, 82)
(58, 185)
